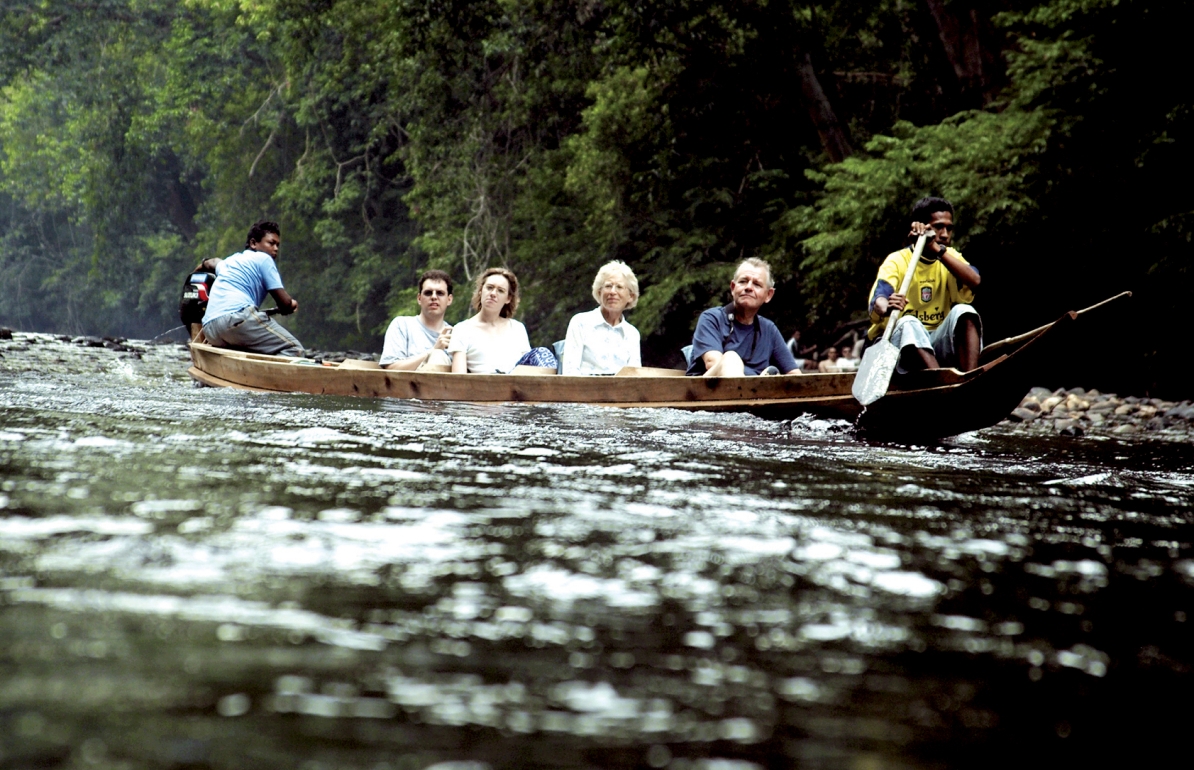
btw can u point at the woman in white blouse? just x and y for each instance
(492, 342)
(602, 341)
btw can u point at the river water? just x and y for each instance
(195, 578)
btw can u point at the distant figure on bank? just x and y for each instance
(800, 353)
(234, 318)
(829, 363)
(415, 340)
(602, 341)
(492, 342)
(735, 340)
(845, 361)
(938, 326)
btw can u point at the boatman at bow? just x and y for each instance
(939, 327)
(735, 340)
(415, 340)
(233, 318)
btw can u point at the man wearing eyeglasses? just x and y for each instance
(939, 326)
(412, 341)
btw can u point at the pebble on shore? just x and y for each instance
(1075, 411)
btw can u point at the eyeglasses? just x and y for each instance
(434, 293)
(613, 287)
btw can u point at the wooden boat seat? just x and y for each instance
(648, 371)
(356, 363)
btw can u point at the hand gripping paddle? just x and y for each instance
(879, 361)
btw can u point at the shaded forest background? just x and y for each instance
(140, 136)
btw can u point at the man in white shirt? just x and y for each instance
(412, 341)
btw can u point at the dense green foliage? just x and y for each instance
(139, 136)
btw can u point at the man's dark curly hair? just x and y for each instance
(259, 229)
(924, 209)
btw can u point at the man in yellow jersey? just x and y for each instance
(938, 327)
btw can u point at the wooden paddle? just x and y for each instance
(880, 360)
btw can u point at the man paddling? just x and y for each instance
(938, 327)
(234, 318)
(412, 341)
(734, 340)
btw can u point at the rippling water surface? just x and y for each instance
(199, 578)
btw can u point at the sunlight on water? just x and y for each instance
(358, 582)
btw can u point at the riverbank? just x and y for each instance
(1068, 412)
(1075, 412)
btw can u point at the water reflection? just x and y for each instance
(190, 574)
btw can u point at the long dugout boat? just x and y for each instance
(959, 401)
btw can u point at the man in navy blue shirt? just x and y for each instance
(734, 340)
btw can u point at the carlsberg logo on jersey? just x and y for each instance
(930, 320)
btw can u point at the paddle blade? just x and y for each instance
(874, 373)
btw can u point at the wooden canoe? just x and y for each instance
(960, 401)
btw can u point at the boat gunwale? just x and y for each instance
(829, 393)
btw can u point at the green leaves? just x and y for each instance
(386, 136)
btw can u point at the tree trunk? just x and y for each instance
(833, 138)
(962, 28)
(181, 209)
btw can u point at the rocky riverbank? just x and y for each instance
(1075, 412)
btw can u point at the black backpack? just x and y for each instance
(195, 291)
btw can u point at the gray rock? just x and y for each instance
(1039, 393)
(1023, 415)
(1182, 413)
(1050, 403)
(1031, 404)
(1128, 428)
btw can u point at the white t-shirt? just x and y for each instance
(594, 347)
(490, 354)
(406, 338)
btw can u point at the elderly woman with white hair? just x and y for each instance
(602, 341)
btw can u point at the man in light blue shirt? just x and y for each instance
(416, 341)
(234, 318)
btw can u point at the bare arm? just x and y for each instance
(414, 362)
(885, 304)
(286, 303)
(965, 274)
(460, 362)
(711, 358)
(409, 364)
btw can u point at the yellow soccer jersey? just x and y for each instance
(931, 295)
